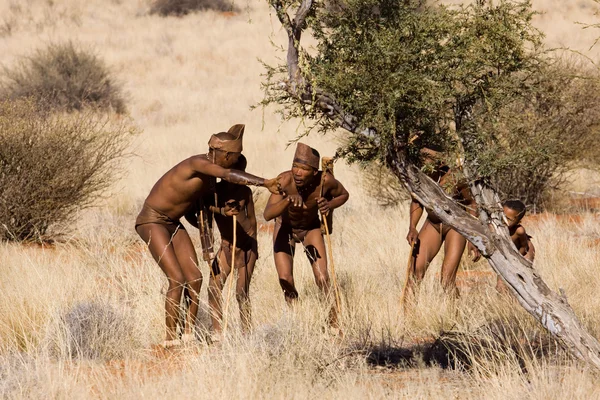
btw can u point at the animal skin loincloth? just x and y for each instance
(286, 236)
(149, 215)
(242, 254)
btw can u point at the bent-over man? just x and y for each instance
(175, 194)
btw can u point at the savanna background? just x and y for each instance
(80, 317)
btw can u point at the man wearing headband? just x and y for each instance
(296, 214)
(176, 194)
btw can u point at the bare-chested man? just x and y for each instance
(175, 194)
(233, 200)
(433, 232)
(297, 219)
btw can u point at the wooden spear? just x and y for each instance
(327, 166)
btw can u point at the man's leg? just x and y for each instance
(314, 246)
(188, 260)
(283, 253)
(160, 243)
(218, 277)
(242, 291)
(454, 247)
(430, 243)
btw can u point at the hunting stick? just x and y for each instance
(327, 165)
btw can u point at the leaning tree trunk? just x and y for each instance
(488, 233)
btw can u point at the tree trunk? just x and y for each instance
(490, 235)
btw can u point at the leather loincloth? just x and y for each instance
(149, 215)
(242, 254)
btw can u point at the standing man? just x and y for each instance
(296, 213)
(434, 232)
(233, 200)
(173, 196)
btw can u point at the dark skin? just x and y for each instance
(519, 238)
(299, 209)
(233, 200)
(175, 193)
(434, 233)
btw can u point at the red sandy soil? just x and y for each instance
(160, 361)
(586, 203)
(533, 219)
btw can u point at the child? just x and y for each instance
(233, 200)
(514, 211)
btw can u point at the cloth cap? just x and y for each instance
(231, 145)
(307, 155)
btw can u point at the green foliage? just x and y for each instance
(183, 7)
(530, 144)
(53, 165)
(472, 82)
(66, 78)
(408, 70)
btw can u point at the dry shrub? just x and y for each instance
(96, 330)
(183, 7)
(66, 78)
(544, 136)
(52, 165)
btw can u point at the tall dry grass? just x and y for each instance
(79, 319)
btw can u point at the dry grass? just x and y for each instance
(188, 78)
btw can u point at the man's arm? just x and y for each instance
(276, 206)
(416, 211)
(530, 250)
(337, 191)
(525, 247)
(233, 175)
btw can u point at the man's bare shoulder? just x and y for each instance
(285, 178)
(329, 179)
(331, 182)
(199, 158)
(521, 230)
(246, 192)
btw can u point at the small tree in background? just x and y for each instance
(52, 165)
(400, 76)
(180, 8)
(64, 77)
(541, 136)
